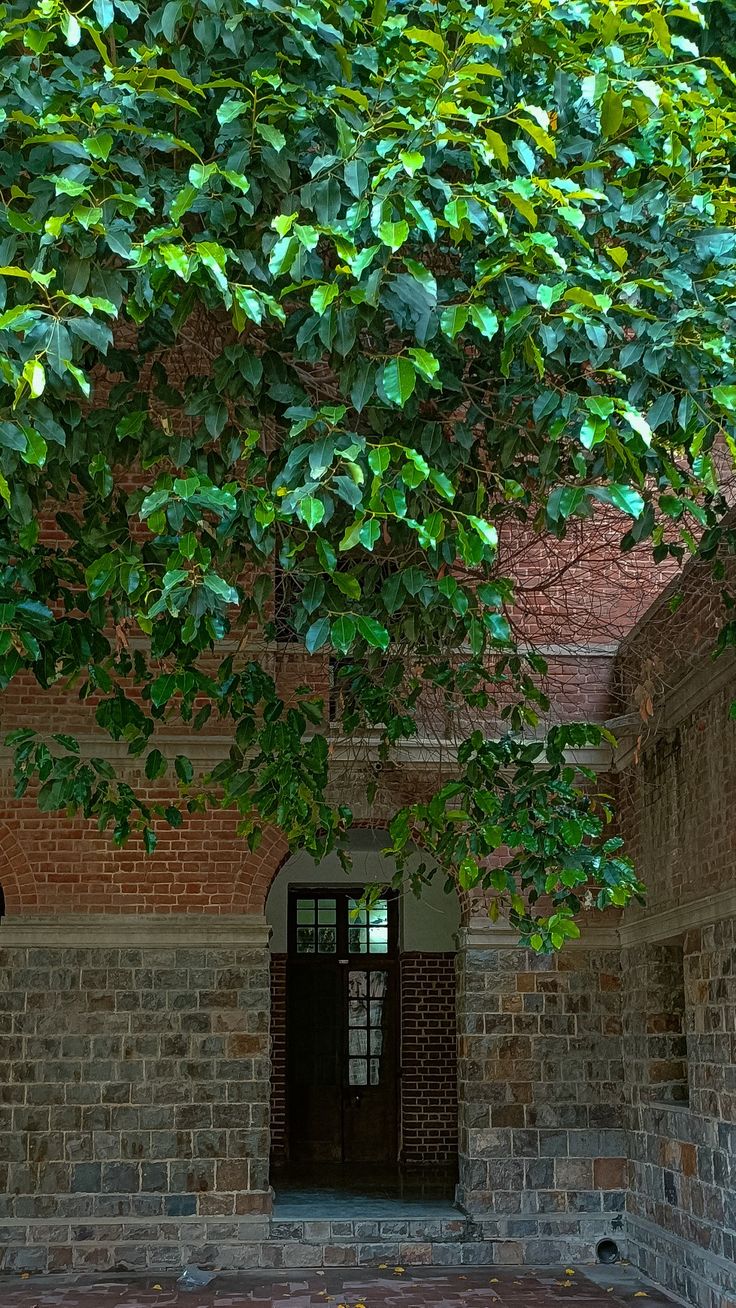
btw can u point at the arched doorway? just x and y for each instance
(363, 1028)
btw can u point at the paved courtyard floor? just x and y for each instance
(483, 1287)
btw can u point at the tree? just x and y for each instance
(471, 271)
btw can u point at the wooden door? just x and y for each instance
(341, 1028)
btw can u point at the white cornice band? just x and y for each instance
(419, 752)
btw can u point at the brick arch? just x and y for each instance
(256, 876)
(255, 879)
(16, 875)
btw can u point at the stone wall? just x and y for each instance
(134, 1071)
(679, 956)
(682, 1200)
(542, 1145)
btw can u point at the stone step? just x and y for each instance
(224, 1245)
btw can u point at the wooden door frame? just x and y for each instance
(391, 961)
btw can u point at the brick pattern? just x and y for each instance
(279, 1140)
(428, 1060)
(540, 1076)
(682, 1201)
(679, 824)
(134, 1082)
(679, 827)
(654, 1042)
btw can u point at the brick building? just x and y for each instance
(192, 1037)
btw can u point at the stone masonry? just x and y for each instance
(542, 1145)
(135, 1077)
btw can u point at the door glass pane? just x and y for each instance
(327, 911)
(356, 916)
(358, 1041)
(378, 939)
(377, 983)
(376, 1012)
(326, 940)
(305, 912)
(305, 940)
(357, 940)
(375, 1071)
(358, 984)
(358, 1071)
(378, 914)
(357, 1013)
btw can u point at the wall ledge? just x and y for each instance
(672, 923)
(484, 934)
(134, 930)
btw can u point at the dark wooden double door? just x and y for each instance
(342, 1020)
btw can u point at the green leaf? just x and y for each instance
(484, 319)
(373, 633)
(426, 364)
(612, 113)
(271, 135)
(183, 202)
(423, 216)
(99, 146)
(36, 448)
(183, 768)
(343, 634)
(322, 297)
(725, 396)
(162, 689)
(468, 874)
(411, 161)
(453, 319)
(424, 36)
(393, 234)
(621, 497)
(485, 530)
(312, 511)
(399, 380)
(34, 374)
(317, 635)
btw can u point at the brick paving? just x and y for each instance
(614, 1287)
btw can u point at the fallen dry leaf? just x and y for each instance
(156, 1287)
(569, 1271)
(399, 1270)
(641, 1294)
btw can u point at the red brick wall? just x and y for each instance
(54, 864)
(428, 1060)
